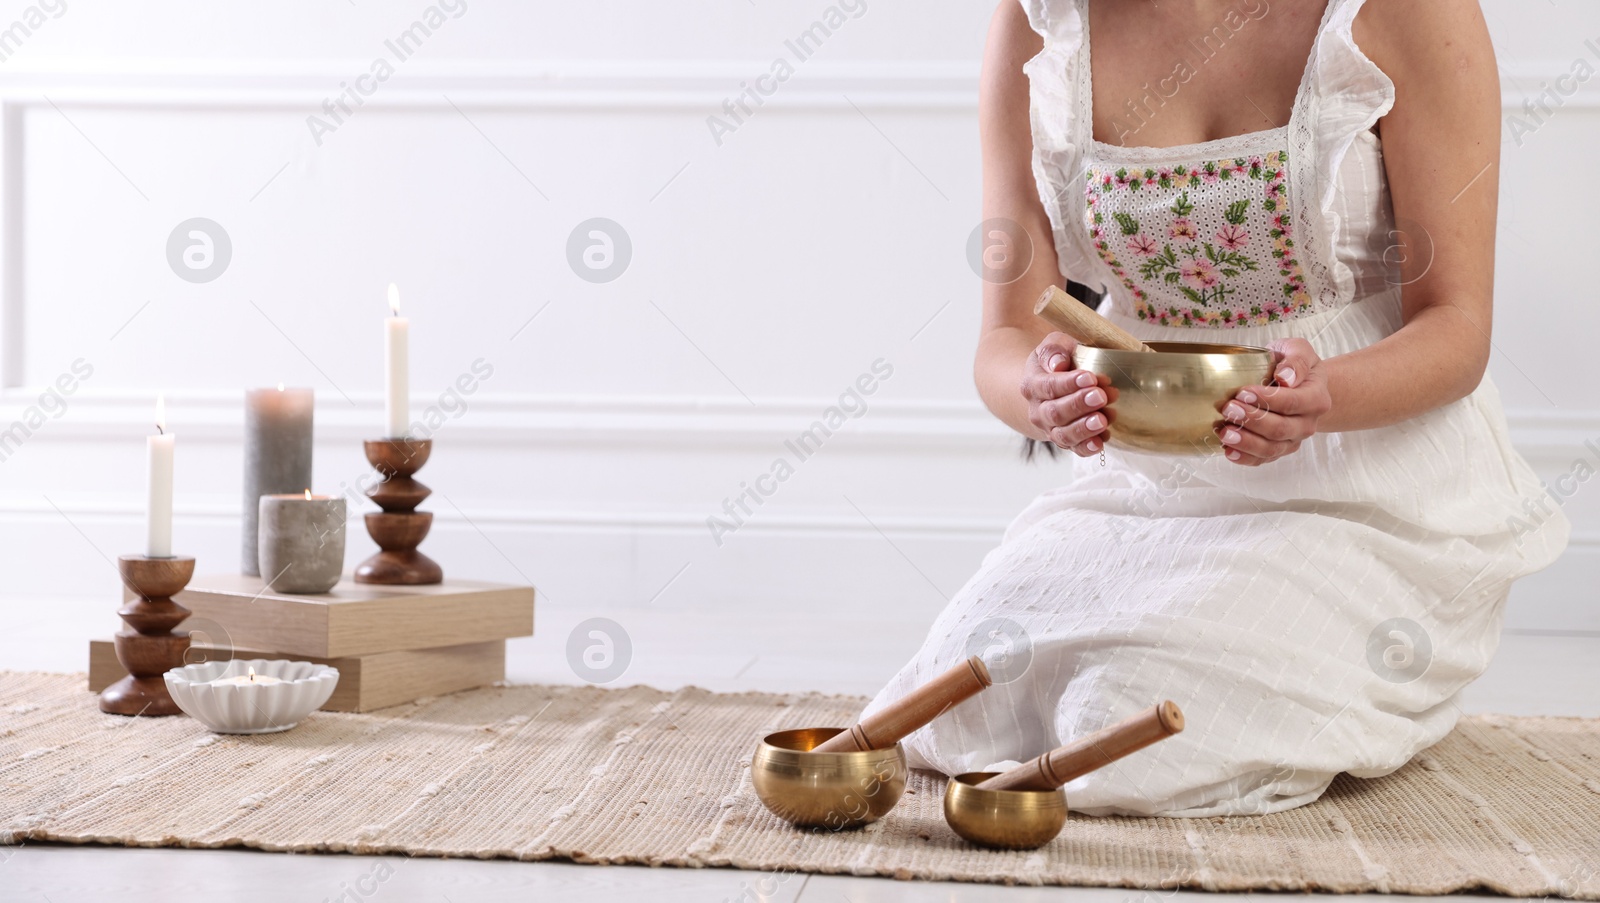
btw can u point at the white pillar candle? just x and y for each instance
(158, 509)
(396, 335)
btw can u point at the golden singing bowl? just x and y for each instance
(1171, 401)
(826, 790)
(1003, 819)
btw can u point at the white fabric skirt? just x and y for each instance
(1313, 616)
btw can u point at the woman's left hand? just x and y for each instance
(1264, 423)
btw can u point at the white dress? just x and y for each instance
(1312, 616)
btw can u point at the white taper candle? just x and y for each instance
(158, 509)
(396, 364)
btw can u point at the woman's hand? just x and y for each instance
(1264, 423)
(1064, 404)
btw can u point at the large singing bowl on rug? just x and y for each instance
(826, 790)
(1171, 402)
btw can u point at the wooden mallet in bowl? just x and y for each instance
(1097, 750)
(1074, 318)
(919, 707)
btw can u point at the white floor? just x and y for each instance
(59, 874)
(1548, 673)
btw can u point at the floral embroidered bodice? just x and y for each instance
(1260, 231)
(1197, 239)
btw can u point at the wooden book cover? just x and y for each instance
(366, 682)
(356, 618)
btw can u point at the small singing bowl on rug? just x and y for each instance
(256, 696)
(1171, 402)
(1003, 819)
(832, 790)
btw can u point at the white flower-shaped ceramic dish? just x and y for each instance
(251, 708)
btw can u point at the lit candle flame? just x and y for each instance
(161, 414)
(394, 299)
(252, 675)
(280, 387)
(308, 495)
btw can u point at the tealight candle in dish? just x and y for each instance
(270, 695)
(247, 680)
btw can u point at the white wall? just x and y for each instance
(768, 272)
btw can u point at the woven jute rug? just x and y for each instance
(1510, 805)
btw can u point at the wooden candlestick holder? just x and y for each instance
(399, 528)
(148, 648)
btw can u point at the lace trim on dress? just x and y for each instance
(1057, 144)
(1233, 146)
(1349, 93)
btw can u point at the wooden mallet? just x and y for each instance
(1086, 754)
(1074, 318)
(927, 702)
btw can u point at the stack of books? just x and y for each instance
(391, 644)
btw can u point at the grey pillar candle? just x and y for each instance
(302, 542)
(277, 456)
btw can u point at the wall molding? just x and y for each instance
(698, 86)
(216, 416)
(38, 511)
(701, 85)
(11, 237)
(1548, 438)
(1522, 81)
(523, 419)
(948, 85)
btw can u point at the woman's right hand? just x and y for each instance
(1065, 404)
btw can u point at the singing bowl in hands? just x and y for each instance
(1171, 402)
(837, 791)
